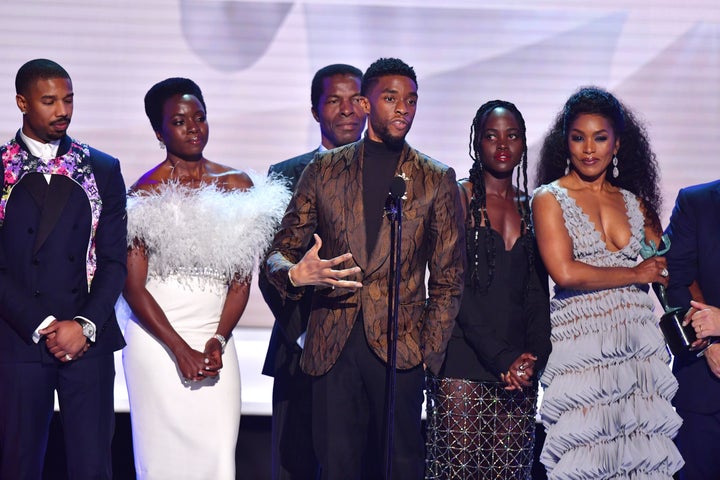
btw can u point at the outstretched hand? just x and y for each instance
(313, 270)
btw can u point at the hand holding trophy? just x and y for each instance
(678, 337)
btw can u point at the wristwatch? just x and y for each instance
(88, 329)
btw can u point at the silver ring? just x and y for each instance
(664, 272)
(68, 357)
(520, 373)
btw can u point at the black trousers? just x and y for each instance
(293, 457)
(85, 395)
(349, 415)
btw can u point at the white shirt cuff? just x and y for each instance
(36, 334)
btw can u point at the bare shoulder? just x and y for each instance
(229, 178)
(150, 180)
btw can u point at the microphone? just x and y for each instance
(393, 205)
(397, 187)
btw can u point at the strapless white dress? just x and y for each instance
(196, 240)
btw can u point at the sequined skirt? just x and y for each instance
(479, 430)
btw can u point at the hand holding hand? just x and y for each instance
(64, 340)
(520, 372)
(312, 270)
(213, 357)
(191, 363)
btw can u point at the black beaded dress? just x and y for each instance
(476, 428)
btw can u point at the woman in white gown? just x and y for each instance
(195, 231)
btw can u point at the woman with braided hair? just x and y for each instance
(481, 409)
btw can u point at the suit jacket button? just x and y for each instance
(74, 290)
(37, 293)
(36, 262)
(31, 230)
(71, 258)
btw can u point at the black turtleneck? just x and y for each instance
(379, 164)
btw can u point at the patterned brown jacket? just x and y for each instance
(328, 201)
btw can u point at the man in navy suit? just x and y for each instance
(62, 266)
(694, 256)
(335, 105)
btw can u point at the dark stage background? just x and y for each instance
(252, 453)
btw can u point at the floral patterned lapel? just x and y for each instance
(74, 164)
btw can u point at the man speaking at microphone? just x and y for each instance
(339, 205)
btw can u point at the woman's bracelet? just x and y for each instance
(220, 339)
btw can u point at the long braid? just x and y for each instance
(527, 231)
(478, 207)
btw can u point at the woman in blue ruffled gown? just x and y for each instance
(606, 405)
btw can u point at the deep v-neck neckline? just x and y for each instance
(596, 233)
(499, 236)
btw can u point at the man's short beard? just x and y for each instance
(393, 143)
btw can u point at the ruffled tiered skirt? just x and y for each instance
(606, 405)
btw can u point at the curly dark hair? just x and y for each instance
(638, 167)
(159, 93)
(478, 205)
(382, 67)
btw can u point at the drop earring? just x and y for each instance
(567, 166)
(162, 144)
(615, 171)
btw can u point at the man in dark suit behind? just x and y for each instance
(335, 105)
(62, 267)
(694, 256)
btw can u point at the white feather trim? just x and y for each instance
(206, 231)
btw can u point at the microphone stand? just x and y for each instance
(393, 210)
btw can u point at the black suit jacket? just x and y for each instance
(694, 254)
(291, 317)
(47, 276)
